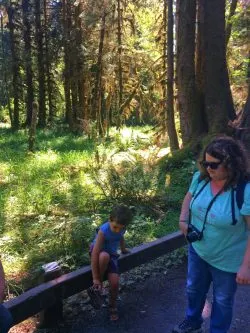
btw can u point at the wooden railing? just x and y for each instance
(50, 293)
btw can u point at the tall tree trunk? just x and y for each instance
(4, 70)
(229, 20)
(40, 65)
(218, 99)
(28, 59)
(81, 111)
(120, 74)
(66, 27)
(32, 129)
(185, 66)
(51, 114)
(164, 67)
(173, 140)
(199, 116)
(15, 68)
(245, 120)
(98, 78)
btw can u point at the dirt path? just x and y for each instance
(152, 305)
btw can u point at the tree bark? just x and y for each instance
(32, 129)
(4, 70)
(28, 59)
(244, 130)
(51, 110)
(173, 140)
(96, 105)
(40, 65)
(15, 68)
(186, 66)
(120, 76)
(81, 112)
(229, 20)
(199, 116)
(66, 29)
(218, 101)
(164, 67)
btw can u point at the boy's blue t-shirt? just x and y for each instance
(112, 239)
(223, 244)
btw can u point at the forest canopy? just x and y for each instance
(179, 65)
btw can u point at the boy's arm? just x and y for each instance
(123, 247)
(95, 259)
(2, 282)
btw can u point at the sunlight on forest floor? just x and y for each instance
(53, 199)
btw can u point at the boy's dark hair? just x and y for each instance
(121, 214)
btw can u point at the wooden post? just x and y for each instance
(51, 315)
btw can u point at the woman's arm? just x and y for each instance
(243, 275)
(95, 259)
(184, 216)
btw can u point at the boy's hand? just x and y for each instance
(125, 251)
(97, 284)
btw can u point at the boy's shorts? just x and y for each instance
(113, 262)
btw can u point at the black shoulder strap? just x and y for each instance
(240, 193)
(195, 195)
(240, 188)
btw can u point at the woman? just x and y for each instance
(218, 232)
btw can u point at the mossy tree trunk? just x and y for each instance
(173, 140)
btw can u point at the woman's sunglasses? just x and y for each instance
(211, 165)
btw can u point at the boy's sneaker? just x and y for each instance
(96, 299)
(186, 327)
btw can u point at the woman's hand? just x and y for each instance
(183, 227)
(243, 275)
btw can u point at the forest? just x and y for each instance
(104, 102)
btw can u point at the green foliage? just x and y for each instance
(238, 53)
(130, 181)
(52, 200)
(180, 157)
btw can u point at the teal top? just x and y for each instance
(223, 244)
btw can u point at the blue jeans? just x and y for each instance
(200, 276)
(5, 319)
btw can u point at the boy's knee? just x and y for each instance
(104, 256)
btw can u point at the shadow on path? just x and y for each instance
(153, 306)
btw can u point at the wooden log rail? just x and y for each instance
(47, 294)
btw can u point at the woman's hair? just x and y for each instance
(121, 214)
(233, 156)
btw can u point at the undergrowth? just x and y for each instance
(52, 200)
